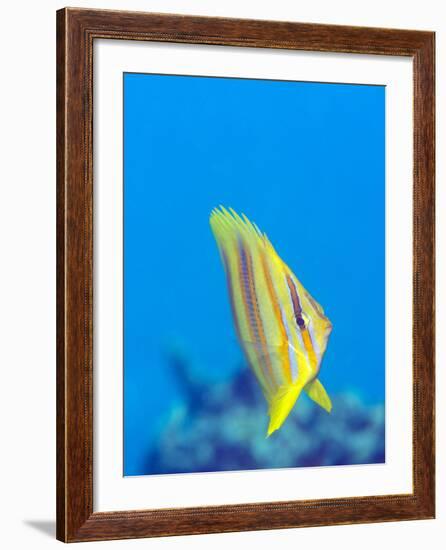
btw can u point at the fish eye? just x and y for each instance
(300, 322)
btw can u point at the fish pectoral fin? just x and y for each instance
(316, 391)
(281, 404)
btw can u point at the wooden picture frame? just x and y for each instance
(76, 31)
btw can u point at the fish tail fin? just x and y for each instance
(281, 404)
(316, 391)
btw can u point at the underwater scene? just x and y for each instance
(254, 274)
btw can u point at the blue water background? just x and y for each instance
(306, 163)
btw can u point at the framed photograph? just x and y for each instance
(245, 275)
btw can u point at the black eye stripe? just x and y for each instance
(296, 302)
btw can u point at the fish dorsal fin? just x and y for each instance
(281, 405)
(316, 391)
(230, 229)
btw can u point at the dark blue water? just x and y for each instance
(306, 163)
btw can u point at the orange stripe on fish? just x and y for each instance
(238, 332)
(252, 308)
(278, 315)
(309, 347)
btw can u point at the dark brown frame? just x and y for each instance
(76, 31)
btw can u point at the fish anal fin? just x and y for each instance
(316, 391)
(281, 404)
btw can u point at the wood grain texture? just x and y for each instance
(76, 31)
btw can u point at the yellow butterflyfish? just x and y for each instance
(282, 330)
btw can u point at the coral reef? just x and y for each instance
(221, 426)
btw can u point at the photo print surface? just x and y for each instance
(254, 274)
